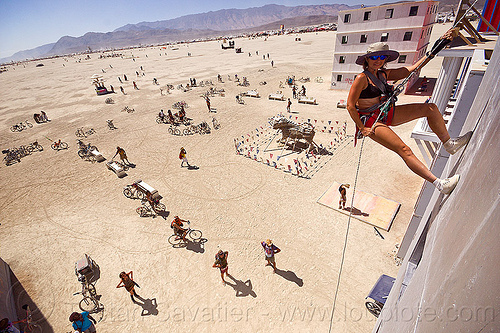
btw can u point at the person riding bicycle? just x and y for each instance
(152, 202)
(178, 229)
(171, 118)
(182, 113)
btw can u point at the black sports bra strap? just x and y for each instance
(379, 83)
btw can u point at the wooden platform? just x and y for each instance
(369, 208)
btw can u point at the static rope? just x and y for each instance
(346, 234)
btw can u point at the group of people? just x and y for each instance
(269, 251)
(41, 117)
(169, 117)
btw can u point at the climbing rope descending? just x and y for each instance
(346, 234)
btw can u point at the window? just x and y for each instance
(413, 10)
(389, 13)
(363, 38)
(344, 39)
(339, 77)
(384, 37)
(422, 34)
(342, 59)
(347, 18)
(367, 16)
(407, 35)
(402, 59)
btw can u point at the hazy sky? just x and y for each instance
(26, 24)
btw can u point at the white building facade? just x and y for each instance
(405, 26)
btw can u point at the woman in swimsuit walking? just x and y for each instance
(364, 102)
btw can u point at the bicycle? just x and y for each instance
(34, 146)
(111, 126)
(147, 210)
(89, 302)
(85, 151)
(133, 191)
(21, 126)
(174, 130)
(81, 133)
(203, 128)
(11, 156)
(59, 145)
(127, 109)
(318, 79)
(176, 240)
(30, 326)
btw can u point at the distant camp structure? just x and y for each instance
(227, 44)
(98, 82)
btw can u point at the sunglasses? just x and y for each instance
(381, 57)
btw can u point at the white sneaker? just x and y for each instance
(454, 145)
(449, 184)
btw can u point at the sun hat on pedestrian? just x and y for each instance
(376, 49)
(269, 242)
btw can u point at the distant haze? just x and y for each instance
(185, 28)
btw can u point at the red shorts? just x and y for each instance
(368, 119)
(223, 270)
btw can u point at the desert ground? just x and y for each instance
(56, 207)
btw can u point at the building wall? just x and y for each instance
(396, 26)
(455, 286)
(7, 306)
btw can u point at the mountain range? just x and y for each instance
(189, 27)
(215, 23)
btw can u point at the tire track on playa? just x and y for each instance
(78, 235)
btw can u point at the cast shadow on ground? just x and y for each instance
(242, 288)
(290, 276)
(193, 167)
(149, 306)
(356, 211)
(164, 214)
(196, 245)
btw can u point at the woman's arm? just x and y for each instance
(131, 275)
(358, 85)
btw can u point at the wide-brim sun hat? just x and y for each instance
(376, 49)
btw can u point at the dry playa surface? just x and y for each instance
(55, 207)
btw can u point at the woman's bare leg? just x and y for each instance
(409, 112)
(387, 138)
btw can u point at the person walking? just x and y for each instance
(343, 197)
(135, 85)
(127, 282)
(122, 90)
(82, 322)
(221, 263)
(207, 99)
(288, 105)
(123, 156)
(182, 156)
(294, 91)
(272, 63)
(270, 250)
